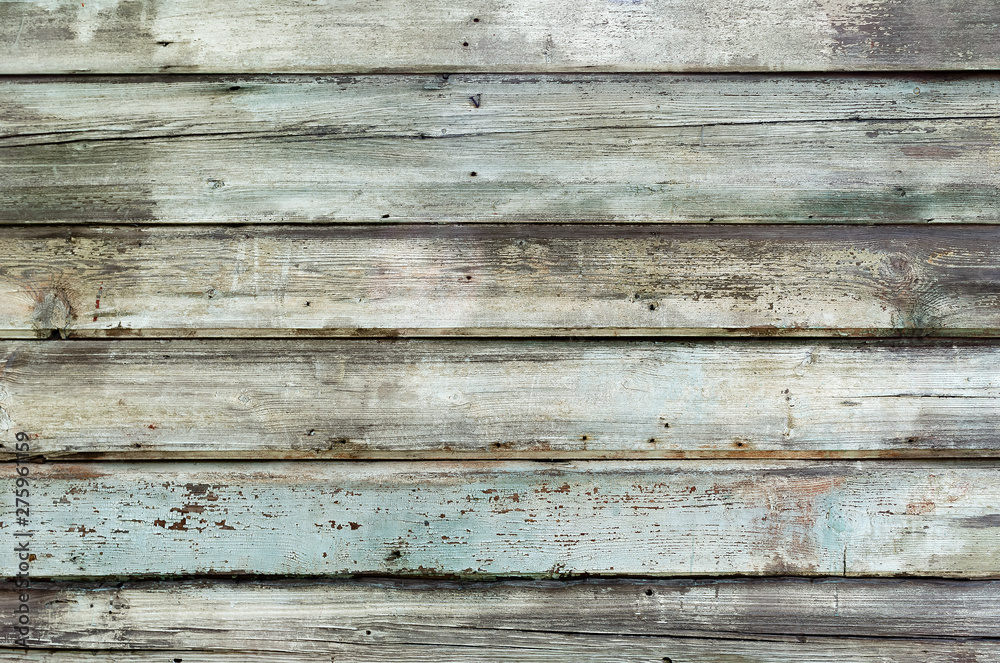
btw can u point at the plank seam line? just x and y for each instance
(582, 70)
(645, 226)
(795, 638)
(722, 635)
(484, 579)
(906, 336)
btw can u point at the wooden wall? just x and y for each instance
(609, 330)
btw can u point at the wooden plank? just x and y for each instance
(659, 35)
(320, 615)
(47, 110)
(547, 648)
(514, 280)
(499, 399)
(385, 149)
(519, 518)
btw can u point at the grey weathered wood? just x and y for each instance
(519, 518)
(499, 399)
(663, 35)
(499, 280)
(545, 648)
(564, 149)
(320, 615)
(530, 647)
(47, 110)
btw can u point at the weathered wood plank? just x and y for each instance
(46, 110)
(488, 519)
(548, 648)
(513, 280)
(683, 620)
(320, 615)
(660, 35)
(499, 399)
(558, 149)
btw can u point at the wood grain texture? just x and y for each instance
(384, 149)
(318, 614)
(499, 399)
(531, 647)
(519, 518)
(540, 620)
(118, 36)
(550, 648)
(514, 280)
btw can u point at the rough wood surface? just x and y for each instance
(316, 615)
(515, 280)
(664, 35)
(518, 518)
(530, 647)
(47, 110)
(499, 399)
(500, 148)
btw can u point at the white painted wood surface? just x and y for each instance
(500, 399)
(663, 35)
(500, 149)
(489, 519)
(429, 280)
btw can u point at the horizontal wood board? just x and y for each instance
(519, 518)
(122, 36)
(548, 648)
(468, 148)
(792, 616)
(499, 399)
(514, 280)
(297, 615)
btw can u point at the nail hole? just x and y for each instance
(666, 425)
(368, 632)
(649, 592)
(472, 174)
(652, 307)
(652, 440)
(234, 88)
(475, 20)
(385, 216)
(465, 43)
